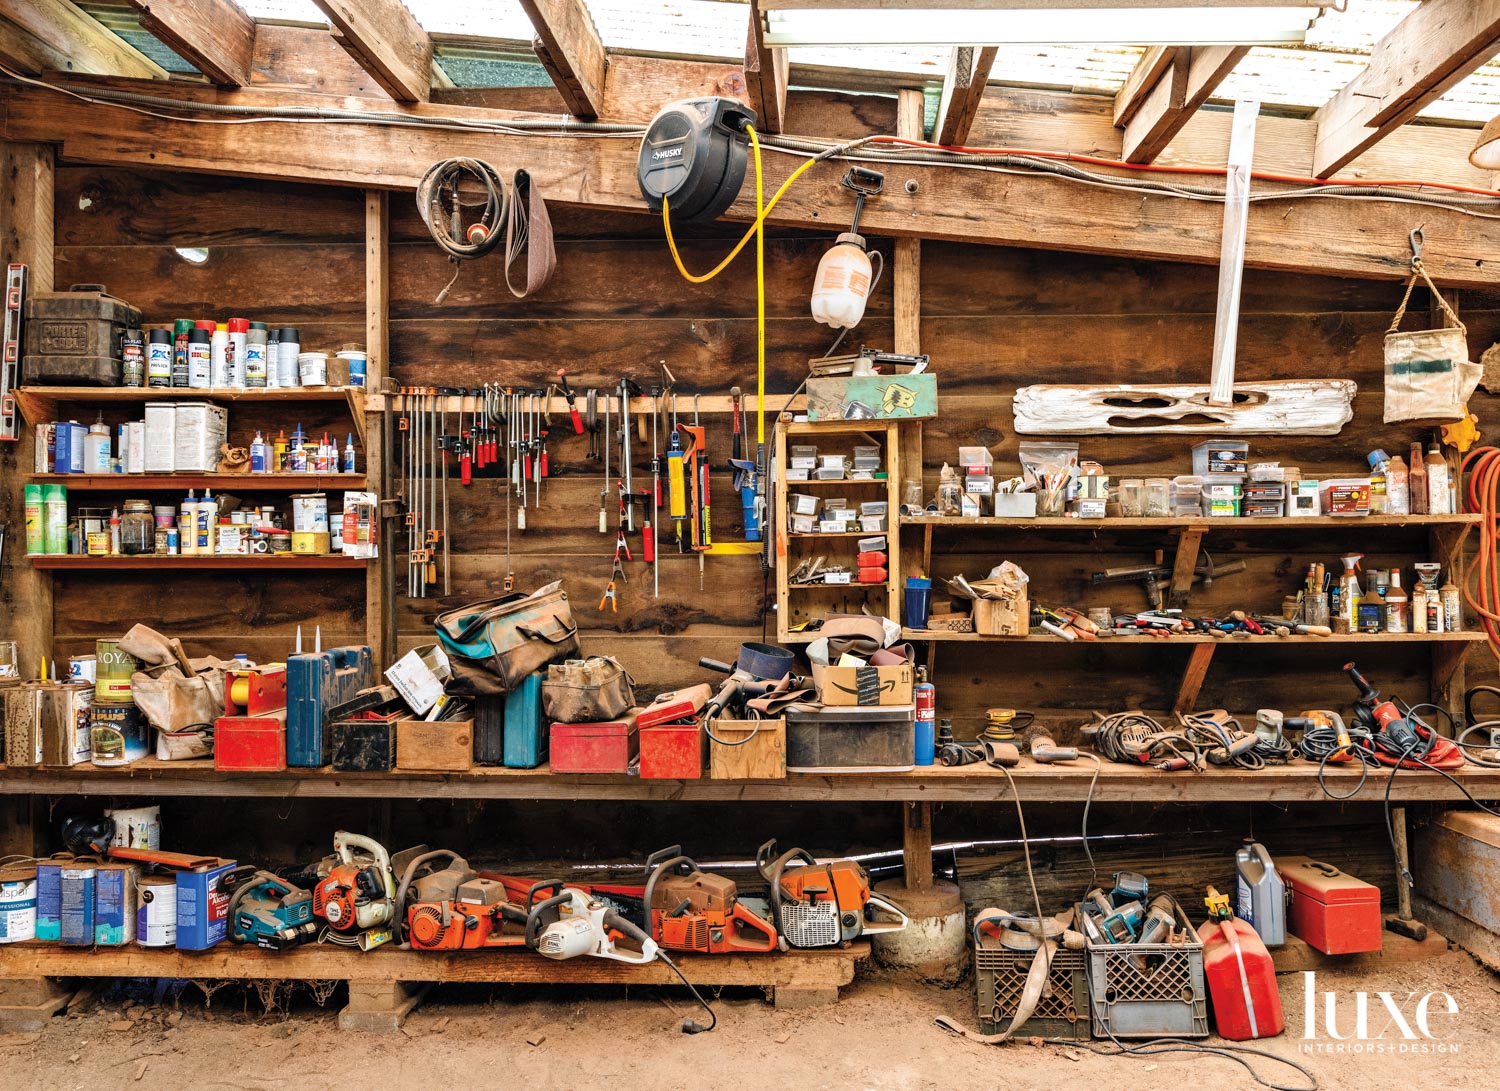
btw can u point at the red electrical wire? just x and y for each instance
(1100, 161)
(1482, 589)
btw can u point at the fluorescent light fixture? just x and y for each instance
(1486, 153)
(1023, 22)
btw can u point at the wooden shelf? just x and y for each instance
(837, 586)
(169, 564)
(1199, 638)
(840, 534)
(1060, 783)
(39, 403)
(164, 482)
(793, 486)
(1062, 523)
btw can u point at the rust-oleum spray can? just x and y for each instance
(924, 695)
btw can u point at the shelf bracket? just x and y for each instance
(1188, 542)
(1192, 677)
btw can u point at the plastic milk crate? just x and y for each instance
(1063, 1010)
(1149, 990)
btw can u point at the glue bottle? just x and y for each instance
(207, 522)
(278, 453)
(349, 455)
(187, 524)
(1349, 590)
(296, 458)
(260, 453)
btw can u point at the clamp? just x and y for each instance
(610, 597)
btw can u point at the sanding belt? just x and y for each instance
(1023, 934)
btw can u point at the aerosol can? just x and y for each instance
(924, 696)
(1349, 590)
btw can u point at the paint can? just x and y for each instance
(136, 827)
(117, 734)
(180, 330)
(83, 668)
(358, 361)
(312, 368)
(156, 911)
(113, 672)
(159, 359)
(17, 904)
(116, 899)
(133, 358)
(200, 358)
(76, 912)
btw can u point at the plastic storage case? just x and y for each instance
(857, 739)
(1001, 978)
(1149, 990)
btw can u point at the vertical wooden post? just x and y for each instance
(26, 206)
(916, 845)
(380, 577)
(907, 273)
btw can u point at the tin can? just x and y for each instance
(98, 543)
(159, 355)
(115, 667)
(200, 359)
(257, 368)
(156, 911)
(358, 363)
(79, 881)
(118, 734)
(136, 827)
(46, 448)
(312, 368)
(133, 366)
(180, 330)
(83, 668)
(17, 904)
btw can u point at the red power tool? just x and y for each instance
(689, 910)
(452, 908)
(821, 905)
(1400, 738)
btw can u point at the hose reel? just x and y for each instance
(693, 157)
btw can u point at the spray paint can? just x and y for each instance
(36, 533)
(200, 359)
(288, 348)
(234, 352)
(273, 357)
(159, 359)
(180, 330)
(55, 518)
(1453, 615)
(132, 358)
(156, 911)
(924, 696)
(17, 904)
(256, 368)
(218, 348)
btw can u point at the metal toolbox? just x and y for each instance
(73, 337)
(857, 740)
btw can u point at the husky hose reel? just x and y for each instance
(693, 157)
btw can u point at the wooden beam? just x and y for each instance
(387, 41)
(765, 76)
(214, 36)
(907, 264)
(1433, 48)
(1186, 85)
(24, 52)
(1333, 238)
(968, 75)
(569, 48)
(91, 46)
(380, 577)
(1147, 72)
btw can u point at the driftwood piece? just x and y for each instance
(1299, 407)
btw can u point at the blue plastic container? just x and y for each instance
(918, 601)
(525, 733)
(315, 683)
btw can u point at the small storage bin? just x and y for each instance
(672, 751)
(1063, 1010)
(1221, 456)
(595, 748)
(751, 750)
(1149, 990)
(851, 740)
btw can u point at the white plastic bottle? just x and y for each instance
(1397, 487)
(842, 284)
(207, 522)
(96, 448)
(187, 525)
(1439, 494)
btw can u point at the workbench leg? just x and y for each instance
(380, 1006)
(935, 943)
(27, 1003)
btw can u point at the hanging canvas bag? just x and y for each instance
(1428, 375)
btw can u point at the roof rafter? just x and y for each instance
(1143, 77)
(387, 41)
(766, 71)
(1433, 48)
(214, 36)
(89, 45)
(968, 74)
(1191, 78)
(569, 48)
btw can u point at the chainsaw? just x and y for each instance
(688, 910)
(268, 911)
(571, 923)
(452, 908)
(357, 897)
(822, 905)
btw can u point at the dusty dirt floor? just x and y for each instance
(880, 1035)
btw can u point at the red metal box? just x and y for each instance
(594, 748)
(672, 752)
(1334, 912)
(253, 744)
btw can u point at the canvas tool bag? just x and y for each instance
(587, 691)
(493, 645)
(1428, 375)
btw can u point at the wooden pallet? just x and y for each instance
(386, 984)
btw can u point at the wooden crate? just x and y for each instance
(445, 747)
(762, 758)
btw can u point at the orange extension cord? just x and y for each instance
(1482, 590)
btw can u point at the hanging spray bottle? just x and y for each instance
(1349, 590)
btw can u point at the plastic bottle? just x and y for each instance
(187, 525)
(96, 448)
(1261, 899)
(1439, 495)
(207, 522)
(1397, 606)
(1378, 499)
(114, 532)
(1435, 619)
(278, 453)
(260, 454)
(1417, 475)
(1397, 487)
(1419, 607)
(842, 283)
(1453, 618)
(55, 501)
(219, 352)
(36, 533)
(296, 456)
(1349, 590)
(350, 458)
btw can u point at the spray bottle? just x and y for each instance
(1349, 590)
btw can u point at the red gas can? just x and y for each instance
(1334, 912)
(1241, 981)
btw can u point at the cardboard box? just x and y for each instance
(848, 686)
(419, 676)
(1002, 617)
(437, 747)
(161, 437)
(872, 397)
(202, 906)
(1015, 505)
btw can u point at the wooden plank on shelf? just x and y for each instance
(1192, 676)
(171, 564)
(214, 36)
(1169, 525)
(569, 48)
(387, 41)
(126, 482)
(1252, 641)
(1432, 49)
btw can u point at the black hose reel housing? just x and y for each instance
(693, 155)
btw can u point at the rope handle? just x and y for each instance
(1418, 269)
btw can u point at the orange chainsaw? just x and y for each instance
(822, 905)
(452, 908)
(689, 910)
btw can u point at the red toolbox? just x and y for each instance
(594, 748)
(1334, 912)
(672, 751)
(251, 744)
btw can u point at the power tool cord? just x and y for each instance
(690, 1026)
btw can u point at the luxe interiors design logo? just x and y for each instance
(1374, 1023)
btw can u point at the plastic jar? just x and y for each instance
(137, 528)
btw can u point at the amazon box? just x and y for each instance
(850, 686)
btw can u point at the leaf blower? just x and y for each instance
(358, 895)
(822, 905)
(688, 910)
(451, 908)
(268, 911)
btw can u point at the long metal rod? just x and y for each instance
(629, 513)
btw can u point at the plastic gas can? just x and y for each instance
(1241, 981)
(1261, 899)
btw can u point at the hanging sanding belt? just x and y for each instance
(515, 213)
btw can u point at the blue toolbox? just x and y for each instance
(525, 731)
(314, 684)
